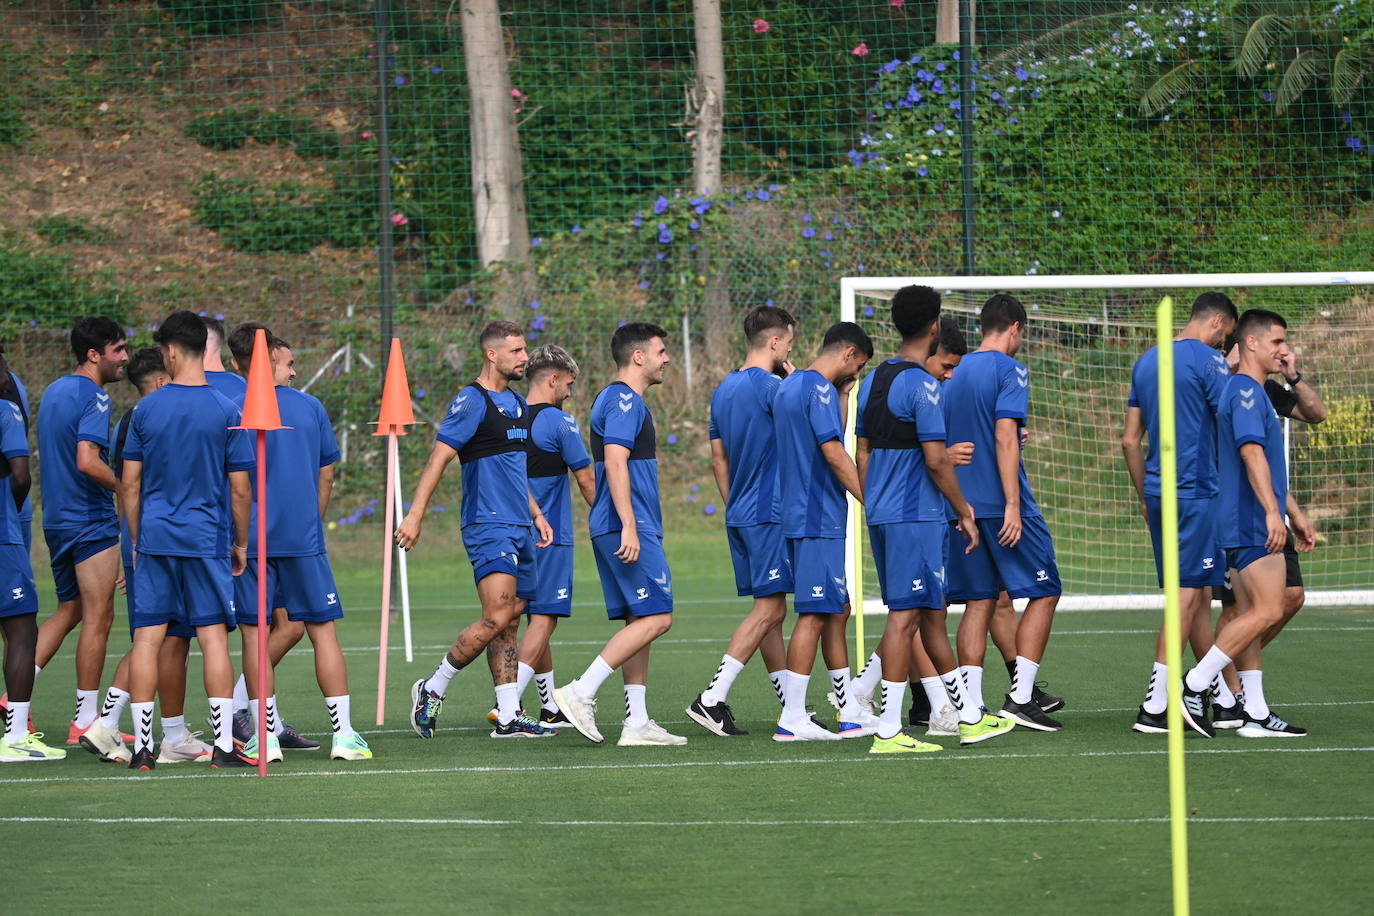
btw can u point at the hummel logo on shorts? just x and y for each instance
(1040, 576)
(818, 591)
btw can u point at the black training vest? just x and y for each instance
(646, 443)
(497, 434)
(121, 436)
(539, 463)
(883, 428)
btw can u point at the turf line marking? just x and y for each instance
(125, 779)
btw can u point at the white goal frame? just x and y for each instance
(882, 288)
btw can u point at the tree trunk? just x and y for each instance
(708, 136)
(947, 21)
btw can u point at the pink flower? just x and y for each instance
(861, 50)
(367, 135)
(897, 3)
(515, 93)
(760, 25)
(399, 219)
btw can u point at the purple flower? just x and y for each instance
(441, 508)
(400, 81)
(829, 236)
(868, 311)
(369, 510)
(660, 256)
(1021, 74)
(764, 195)
(939, 126)
(419, 396)
(808, 233)
(691, 497)
(696, 487)
(694, 225)
(202, 314)
(536, 241)
(576, 229)
(922, 171)
(1345, 116)
(710, 509)
(940, 68)
(436, 70)
(891, 66)
(665, 235)
(825, 254)
(643, 284)
(34, 324)
(128, 332)
(660, 205)
(806, 217)
(1354, 143)
(636, 222)
(1267, 96)
(535, 305)
(538, 324)
(672, 439)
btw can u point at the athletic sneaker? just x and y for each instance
(1228, 716)
(856, 723)
(242, 725)
(192, 749)
(74, 734)
(1046, 702)
(650, 734)
(250, 750)
(1272, 727)
(919, 714)
(803, 730)
(105, 743)
(581, 712)
(349, 746)
(1195, 711)
(553, 718)
(424, 714)
(28, 749)
(228, 760)
(293, 740)
(946, 724)
(143, 760)
(522, 726)
(863, 700)
(718, 719)
(987, 727)
(1151, 723)
(1029, 715)
(5, 708)
(902, 743)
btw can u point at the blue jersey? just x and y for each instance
(988, 386)
(742, 419)
(74, 409)
(14, 443)
(26, 512)
(232, 385)
(294, 459)
(620, 417)
(121, 439)
(898, 487)
(182, 435)
(1247, 415)
(495, 489)
(806, 415)
(1200, 376)
(556, 432)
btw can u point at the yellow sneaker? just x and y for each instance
(902, 743)
(29, 748)
(350, 746)
(988, 727)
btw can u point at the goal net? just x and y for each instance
(1084, 335)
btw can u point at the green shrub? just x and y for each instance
(256, 218)
(220, 17)
(227, 129)
(46, 289)
(60, 229)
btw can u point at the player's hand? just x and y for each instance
(787, 368)
(1010, 533)
(970, 529)
(1025, 436)
(408, 532)
(1288, 364)
(960, 453)
(1305, 532)
(1145, 513)
(1278, 532)
(239, 557)
(629, 546)
(846, 384)
(122, 585)
(545, 530)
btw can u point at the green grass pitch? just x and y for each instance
(1067, 822)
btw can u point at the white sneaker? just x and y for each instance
(105, 743)
(579, 711)
(649, 735)
(802, 730)
(945, 724)
(863, 700)
(855, 722)
(192, 749)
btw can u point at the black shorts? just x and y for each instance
(1292, 570)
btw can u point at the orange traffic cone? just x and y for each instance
(260, 402)
(396, 412)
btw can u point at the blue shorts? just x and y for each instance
(1238, 558)
(639, 589)
(910, 559)
(759, 554)
(26, 530)
(18, 593)
(1027, 570)
(1200, 560)
(69, 547)
(505, 549)
(554, 594)
(818, 567)
(302, 585)
(179, 629)
(198, 591)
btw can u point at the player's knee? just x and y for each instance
(662, 623)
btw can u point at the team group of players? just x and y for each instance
(938, 468)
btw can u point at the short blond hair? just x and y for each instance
(550, 358)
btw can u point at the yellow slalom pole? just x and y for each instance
(1173, 638)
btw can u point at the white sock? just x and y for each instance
(222, 720)
(890, 722)
(636, 710)
(174, 730)
(523, 675)
(273, 717)
(340, 714)
(723, 680)
(1208, 667)
(867, 681)
(85, 708)
(1157, 694)
(973, 685)
(794, 697)
(1252, 685)
(544, 684)
(18, 727)
(113, 707)
(592, 679)
(839, 684)
(1221, 694)
(935, 694)
(241, 695)
(1023, 684)
(507, 703)
(37, 670)
(143, 726)
(969, 712)
(779, 681)
(443, 675)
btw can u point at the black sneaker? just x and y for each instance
(1228, 716)
(717, 719)
(554, 719)
(242, 726)
(1029, 715)
(1270, 727)
(292, 740)
(1195, 711)
(224, 760)
(143, 760)
(1047, 702)
(1151, 723)
(918, 716)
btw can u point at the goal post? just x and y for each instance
(1084, 335)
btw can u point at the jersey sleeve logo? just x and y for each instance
(1022, 376)
(572, 423)
(932, 391)
(627, 401)
(102, 402)
(1247, 399)
(457, 404)
(14, 409)
(823, 393)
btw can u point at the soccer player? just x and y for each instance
(986, 404)
(20, 395)
(79, 520)
(1254, 497)
(180, 449)
(626, 526)
(808, 424)
(555, 450)
(18, 594)
(300, 480)
(232, 385)
(744, 460)
(487, 430)
(1200, 377)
